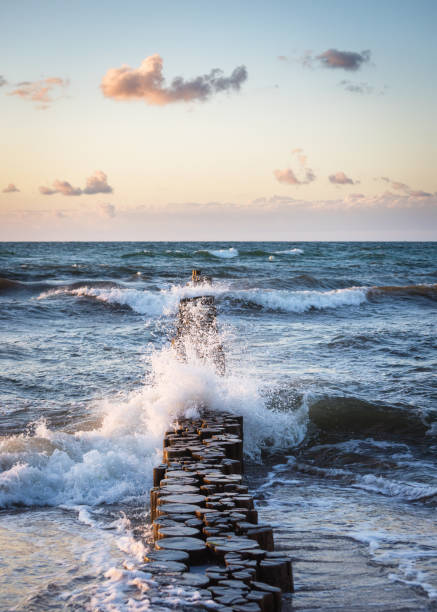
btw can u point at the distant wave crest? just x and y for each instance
(220, 253)
(290, 252)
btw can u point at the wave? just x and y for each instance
(220, 253)
(389, 487)
(409, 491)
(339, 416)
(428, 291)
(144, 253)
(145, 302)
(166, 301)
(303, 301)
(114, 461)
(290, 252)
(7, 284)
(255, 253)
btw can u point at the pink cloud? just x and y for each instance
(46, 190)
(288, 175)
(147, 83)
(96, 183)
(340, 178)
(39, 91)
(11, 188)
(63, 187)
(399, 186)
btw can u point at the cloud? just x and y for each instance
(46, 190)
(3, 81)
(96, 183)
(148, 83)
(403, 187)
(288, 175)
(63, 187)
(107, 210)
(345, 60)
(334, 59)
(11, 188)
(359, 88)
(386, 216)
(340, 178)
(39, 91)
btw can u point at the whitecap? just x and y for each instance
(290, 252)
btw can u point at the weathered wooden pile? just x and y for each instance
(205, 525)
(205, 521)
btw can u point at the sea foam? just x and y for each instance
(166, 301)
(114, 461)
(290, 252)
(221, 253)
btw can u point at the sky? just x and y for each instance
(239, 120)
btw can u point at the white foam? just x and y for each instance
(409, 574)
(114, 461)
(290, 252)
(394, 549)
(166, 301)
(221, 253)
(302, 301)
(410, 491)
(153, 303)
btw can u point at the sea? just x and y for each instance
(330, 354)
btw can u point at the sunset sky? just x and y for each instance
(169, 120)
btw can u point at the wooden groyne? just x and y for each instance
(205, 526)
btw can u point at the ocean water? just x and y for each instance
(330, 356)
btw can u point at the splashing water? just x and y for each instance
(114, 461)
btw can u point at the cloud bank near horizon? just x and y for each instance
(403, 187)
(147, 83)
(388, 215)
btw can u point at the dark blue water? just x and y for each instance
(331, 357)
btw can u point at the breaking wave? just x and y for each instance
(114, 461)
(303, 301)
(290, 252)
(165, 301)
(220, 253)
(348, 415)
